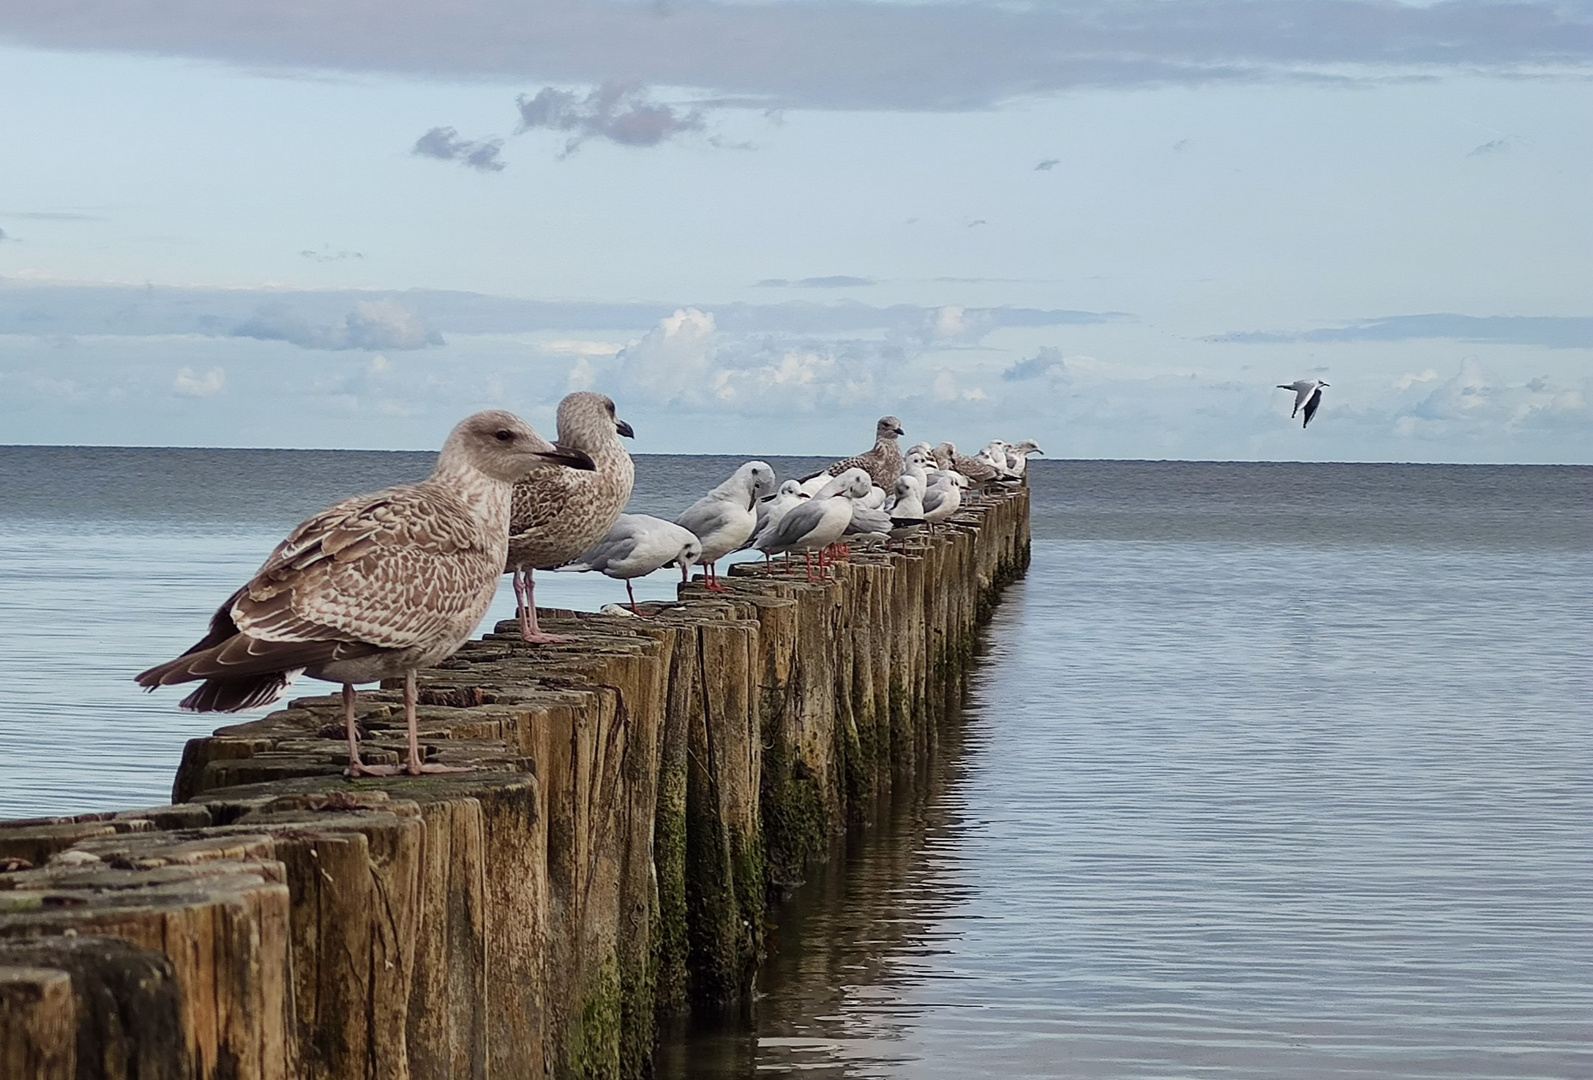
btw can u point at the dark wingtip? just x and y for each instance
(236, 695)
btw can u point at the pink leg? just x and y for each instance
(416, 766)
(631, 593)
(356, 767)
(529, 630)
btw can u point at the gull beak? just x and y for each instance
(624, 429)
(899, 431)
(570, 458)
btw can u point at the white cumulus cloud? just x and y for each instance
(190, 383)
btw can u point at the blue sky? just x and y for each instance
(1110, 227)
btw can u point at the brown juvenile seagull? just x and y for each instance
(559, 514)
(977, 472)
(883, 463)
(373, 587)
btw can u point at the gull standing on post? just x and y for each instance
(1307, 392)
(977, 472)
(558, 514)
(943, 498)
(815, 524)
(637, 545)
(724, 518)
(883, 463)
(1018, 456)
(373, 587)
(771, 508)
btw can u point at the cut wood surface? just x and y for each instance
(640, 800)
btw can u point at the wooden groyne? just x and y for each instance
(639, 796)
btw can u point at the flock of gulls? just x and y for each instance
(379, 586)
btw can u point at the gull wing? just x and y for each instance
(1311, 405)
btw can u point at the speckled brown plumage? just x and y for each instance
(375, 586)
(883, 463)
(976, 471)
(557, 514)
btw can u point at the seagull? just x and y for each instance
(884, 462)
(635, 546)
(995, 456)
(724, 518)
(1018, 455)
(977, 472)
(771, 508)
(559, 513)
(943, 498)
(815, 524)
(906, 506)
(1307, 392)
(374, 587)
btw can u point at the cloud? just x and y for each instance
(1553, 332)
(580, 348)
(673, 361)
(4, 237)
(373, 324)
(1472, 404)
(190, 383)
(1048, 164)
(1048, 361)
(1410, 379)
(326, 254)
(1495, 146)
(444, 144)
(945, 389)
(846, 54)
(955, 323)
(33, 307)
(50, 215)
(620, 112)
(834, 281)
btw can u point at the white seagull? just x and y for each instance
(1307, 392)
(724, 518)
(817, 523)
(635, 546)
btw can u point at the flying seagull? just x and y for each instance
(373, 587)
(1307, 392)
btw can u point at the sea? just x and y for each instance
(1266, 771)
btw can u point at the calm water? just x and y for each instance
(1269, 771)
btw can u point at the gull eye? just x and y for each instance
(503, 435)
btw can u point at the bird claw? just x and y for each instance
(431, 768)
(359, 768)
(539, 638)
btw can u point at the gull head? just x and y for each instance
(888, 428)
(857, 486)
(501, 445)
(759, 476)
(587, 422)
(690, 552)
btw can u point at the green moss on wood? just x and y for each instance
(796, 823)
(669, 943)
(595, 1044)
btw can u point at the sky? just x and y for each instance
(1111, 227)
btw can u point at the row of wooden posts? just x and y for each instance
(640, 798)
